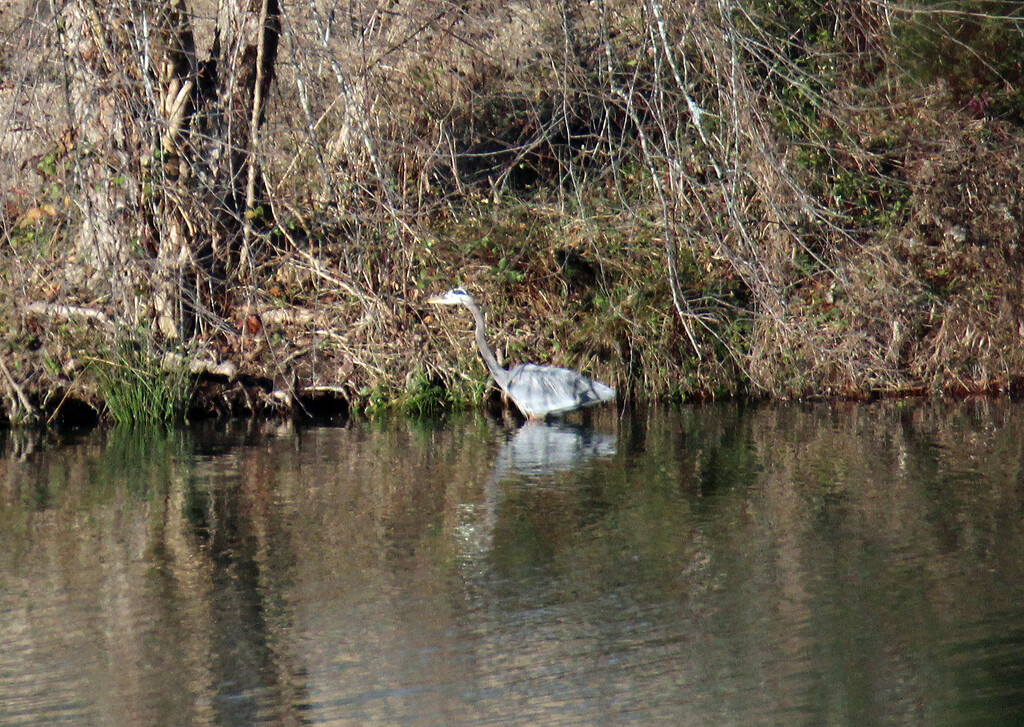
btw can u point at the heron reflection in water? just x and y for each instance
(539, 450)
(536, 456)
(538, 391)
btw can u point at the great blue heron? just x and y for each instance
(538, 391)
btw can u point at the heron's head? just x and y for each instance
(455, 296)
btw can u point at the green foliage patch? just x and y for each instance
(141, 384)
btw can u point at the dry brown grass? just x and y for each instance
(679, 202)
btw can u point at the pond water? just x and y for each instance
(856, 564)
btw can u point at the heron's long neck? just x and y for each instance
(500, 375)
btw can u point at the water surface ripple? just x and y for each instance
(847, 564)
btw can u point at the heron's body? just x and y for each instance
(538, 391)
(541, 391)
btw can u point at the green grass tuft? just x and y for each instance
(141, 385)
(427, 396)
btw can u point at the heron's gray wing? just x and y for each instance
(542, 390)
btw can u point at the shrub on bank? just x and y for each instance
(688, 200)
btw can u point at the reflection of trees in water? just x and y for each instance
(239, 535)
(848, 538)
(866, 521)
(155, 580)
(776, 557)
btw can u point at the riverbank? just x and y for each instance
(326, 348)
(790, 201)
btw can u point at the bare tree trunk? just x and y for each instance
(244, 55)
(176, 72)
(166, 179)
(103, 136)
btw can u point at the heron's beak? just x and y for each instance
(437, 300)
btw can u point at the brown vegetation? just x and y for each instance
(686, 199)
